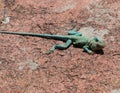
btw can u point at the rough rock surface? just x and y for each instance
(24, 68)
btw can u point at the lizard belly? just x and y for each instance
(81, 41)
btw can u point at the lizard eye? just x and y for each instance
(96, 39)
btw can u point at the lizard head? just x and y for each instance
(97, 44)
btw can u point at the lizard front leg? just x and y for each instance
(61, 47)
(86, 49)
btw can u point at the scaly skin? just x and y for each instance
(90, 45)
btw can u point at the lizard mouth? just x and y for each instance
(101, 44)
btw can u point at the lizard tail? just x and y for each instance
(57, 37)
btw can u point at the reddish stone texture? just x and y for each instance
(24, 66)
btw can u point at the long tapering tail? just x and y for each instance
(58, 37)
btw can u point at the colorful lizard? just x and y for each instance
(90, 45)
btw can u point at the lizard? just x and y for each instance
(75, 38)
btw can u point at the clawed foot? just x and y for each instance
(91, 52)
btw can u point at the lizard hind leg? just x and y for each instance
(60, 47)
(74, 32)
